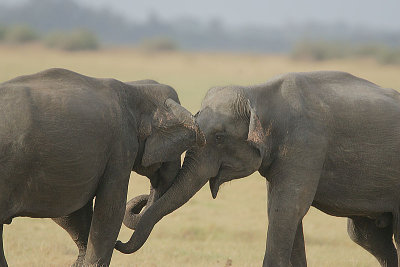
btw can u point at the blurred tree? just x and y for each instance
(3, 30)
(73, 40)
(20, 34)
(158, 44)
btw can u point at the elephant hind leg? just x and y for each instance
(377, 241)
(77, 224)
(3, 262)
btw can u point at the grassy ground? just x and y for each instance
(205, 232)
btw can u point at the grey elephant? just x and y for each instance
(323, 139)
(66, 139)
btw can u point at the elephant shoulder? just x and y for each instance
(305, 95)
(290, 88)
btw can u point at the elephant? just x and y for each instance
(67, 139)
(325, 139)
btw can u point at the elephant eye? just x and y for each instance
(219, 138)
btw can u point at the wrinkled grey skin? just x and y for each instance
(323, 139)
(66, 138)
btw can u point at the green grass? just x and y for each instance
(204, 232)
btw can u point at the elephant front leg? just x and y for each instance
(396, 232)
(290, 196)
(77, 224)
(3, 262)
(298, 257)
(283, 223)
(293, 181)
(108, 212)
(107, 218)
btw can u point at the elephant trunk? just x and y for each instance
(136, 207)
(191, 178)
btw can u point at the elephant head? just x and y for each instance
(164, 135)
(236, 144)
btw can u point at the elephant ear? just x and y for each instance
(174, 131)
(256, 136)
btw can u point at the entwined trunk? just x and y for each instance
(191, 178)
(136, 207)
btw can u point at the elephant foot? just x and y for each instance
(78, 262)
(133, 211)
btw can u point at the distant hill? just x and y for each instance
(189, 34)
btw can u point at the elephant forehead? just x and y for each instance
(220, 100)
(211, 121)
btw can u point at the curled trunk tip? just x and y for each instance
(133, 210)
(188, 181)
(124, 247)
(136, 241)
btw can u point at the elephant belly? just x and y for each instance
(52, 182)
(361, 172)
(359, 194)
(49, 200)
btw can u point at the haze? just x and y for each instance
(367, 13)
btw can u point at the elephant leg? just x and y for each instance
(108, 213)
(3, 262)
(298, 257)
(293, 182)
(77, 224)
(396, 232)
(377, 241)
(286, 209)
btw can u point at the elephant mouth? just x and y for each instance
(214, 184)
(229, 173)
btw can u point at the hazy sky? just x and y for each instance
(372, 13)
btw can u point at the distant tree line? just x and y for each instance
(59, 24)
(324, 50)
(66, 15)
(78, 39)
(17, 34)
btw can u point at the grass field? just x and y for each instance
(204, 232)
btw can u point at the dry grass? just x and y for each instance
(204, 232)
